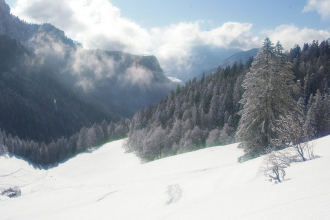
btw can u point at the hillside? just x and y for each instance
(204, 112)
(205, 184)
(52, 87)
(122, 82)
(35, 104)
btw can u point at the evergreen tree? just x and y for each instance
(268, 88)
(3, 148)
(213, 138)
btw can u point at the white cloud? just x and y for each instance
(174, 79)
(137, 75)
(173, 45)
(99, 24)
(97, 62)
(320, 6)
(289, 35)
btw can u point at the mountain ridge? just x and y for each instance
(242, 56)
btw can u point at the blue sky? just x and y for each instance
(263, 14)
(170, 29)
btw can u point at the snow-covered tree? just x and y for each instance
(225, 136)
(176, 132)
(3, 147)
(213, 138)
(82, 140)
(292, 134)
(267, 96)
(318, 115)
(275, 163)
(155, 144)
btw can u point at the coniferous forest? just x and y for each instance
(202, 113)
(207, 112)
(57, 104)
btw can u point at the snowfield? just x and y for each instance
(108, 183)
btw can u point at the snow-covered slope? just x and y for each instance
(206, 184)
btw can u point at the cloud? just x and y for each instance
(137, 75)
(173, 79)
(89, 68)
(85, 84)
(79, 62)
(174, 44)
(92, 61)
(289, 35)
(44, 45)
(322, 7)
(99, 24)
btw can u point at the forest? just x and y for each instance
(205, 113)
(202, 113)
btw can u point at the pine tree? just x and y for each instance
(268, 88)
(3, 147)
(213, 138)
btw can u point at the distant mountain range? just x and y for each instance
(203, 58)
(241, 56)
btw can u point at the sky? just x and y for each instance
(171, 29)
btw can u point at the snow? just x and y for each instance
(108, 183)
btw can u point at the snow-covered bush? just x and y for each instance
(275, 163)
(11, 192)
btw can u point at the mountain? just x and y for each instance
(22, 31)
(240, 56)
(35, 104)
(202, 58)
(52, 86)
(123, 82)
(107, 183)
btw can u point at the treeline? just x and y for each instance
(201, 113)
(204, 113)
(63, 148)
(311, 68)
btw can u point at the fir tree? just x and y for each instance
(268, 88)
(3, 147)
